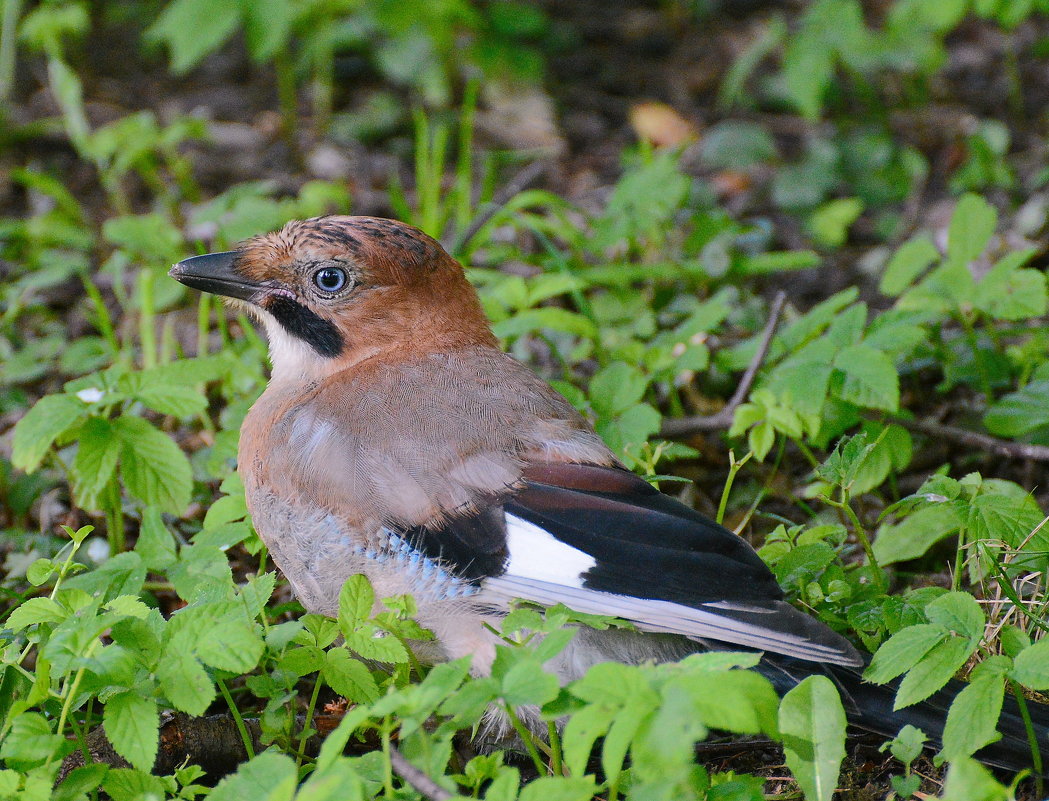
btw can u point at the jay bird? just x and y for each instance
(396, 440)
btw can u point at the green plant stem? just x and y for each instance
(464, 163)
(1032, 738)
(387, 767)
(861, 533)
(8, 46)
(238, 721)
(978, 358)
(556, 759)
(288, 99)
(114, 517)
(733, 468)
(959, 560)
(526, 738)
(103, 319)
(147, 318)
(309, 720)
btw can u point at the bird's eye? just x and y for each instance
(330, 279)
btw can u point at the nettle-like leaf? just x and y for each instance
(36, 432)
(974, 713)
(154, 468)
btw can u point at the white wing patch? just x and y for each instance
(538, 555)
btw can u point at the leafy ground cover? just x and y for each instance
(641, 193)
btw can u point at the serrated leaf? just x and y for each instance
(908, 262)
(1008, 293)
(349, 677)
(527, 683)
(95, 461)
(270, 776)
(1031, 666)
(51, 417)
(871, 379)
(933, 670)
(35, 610)
(998, 516)
(915, 534)
(155, 543)
(973, 716)
(582, 731)
(617, 388)
(356, 601)
(184, 682)
(971, 228)
(374, 643)
(1020, 412)
(812, 724)
(132, 726)
(958, 612)
(154, 468)
(903, 650)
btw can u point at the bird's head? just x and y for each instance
(332, 291)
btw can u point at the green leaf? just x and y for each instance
(972, 226)
(616, 388)
(127, 784)
(1031, 666)
(968, 780)
(812, 723)
(527, 683)
(132, 726)
(830, 223)
(154, 468)
(958, 612)
(902, 651)
(582, 731)
(267, 25)
(871, 379)
(95, 461)
(349, 677)
(999, 516)
(915, 534)
(973, 716)
(936, 667)
(52, 416)
(1020, 413)
(155, 544)
(911, 259)
(356, 602)
(184, 682)
(35, 610)
(559, 788)
(372, 642)
(551, 317)
(193, 28)
(1008, 293)
(270, 776)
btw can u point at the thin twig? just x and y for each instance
(524, 179)
(685, 426)
(973, 439)
(416, 778)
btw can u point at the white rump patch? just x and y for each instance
(538, 555)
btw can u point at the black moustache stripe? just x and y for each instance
(315, 331)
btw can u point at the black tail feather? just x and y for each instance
(870, 706)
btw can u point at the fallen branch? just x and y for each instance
(973, 439)
(686, 426)
(422, 783)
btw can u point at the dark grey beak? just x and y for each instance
(215, 273)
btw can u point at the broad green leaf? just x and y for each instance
(915, 534)
(193, 28)
(184, 682)
(132, 726)
(371, 642)
(582, 731)
(559, 788)
(154, 468)
(356, 602)
(270, 776)
(128, 784)
(267, 25)
(29, 741)
(740, 701)
(1008, 293)
(1021, 412)
(968, 780)
(830, 223)
(812, 724)
(1031, 666)
(958, 612)
(95, 461)
(902, 651)
(973, 716)
(551, 317)
(155, 544)
(936, 667)
(527, 683)
(35, 610)
(870, 378)
(51, 417)
(617, 388)
(996, 516)
(911, 259)
(349, 677)
(972, 226)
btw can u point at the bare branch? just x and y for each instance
(416, 778)
(974, 439)
(685, 426)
